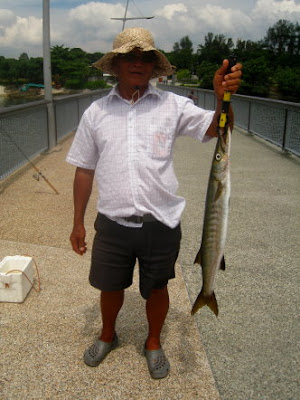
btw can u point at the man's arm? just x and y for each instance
(224, 82)
(82, 188)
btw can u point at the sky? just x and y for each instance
(88, 25)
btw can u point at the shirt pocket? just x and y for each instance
(160, 142)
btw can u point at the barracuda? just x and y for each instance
(211, 253)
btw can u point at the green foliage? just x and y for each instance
(269, 65)
(70, 68)
(256, 77)
(74, 84)
(184, 75)
(215, 48)
(205, 72)
(288, 81)
(69, 64)
(95, 85)
(182, 56)
(283, 37)
(24, 56)
(93, 57)
(78, 84)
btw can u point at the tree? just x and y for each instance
(270, 64)
(257, 77)
(35, 70)
(246, 49)
(24, 56)
(283, 37)
(184, 75)
(69, 64)
(10, 66)
(182, 56)
(205, 72)
(59, 56)
(93, 57)
(215, 48)
(288, 82)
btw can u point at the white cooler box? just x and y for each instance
(14, 286)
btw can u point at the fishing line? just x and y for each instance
(39, 173)
(138, 10)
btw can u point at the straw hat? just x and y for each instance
(128, 40)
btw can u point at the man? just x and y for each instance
(192, 96)
(126, 140)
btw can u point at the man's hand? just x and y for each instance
(224, 82)
(83, 182)
(227, 82)
(77, 239)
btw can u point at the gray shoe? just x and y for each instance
(158, 364)
(96, 353)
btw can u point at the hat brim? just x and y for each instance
(162, 66)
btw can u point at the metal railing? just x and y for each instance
(273, 120)
(25, 127)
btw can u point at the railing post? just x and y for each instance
(284, 129)
(249, 115)
(48, 75)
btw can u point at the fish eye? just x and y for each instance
(218, 157)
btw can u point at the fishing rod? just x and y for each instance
(223, 120)
(40, 174)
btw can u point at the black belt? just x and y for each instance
(137, 219)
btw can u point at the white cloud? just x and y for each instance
(272, 10)
(19, 32)
(7, 17)
(197, 21)
(227, 21)
(89, 25)
(95, 13)
(171, 11)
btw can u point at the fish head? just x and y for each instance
(222, 152)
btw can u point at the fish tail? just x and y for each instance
(198, 257)
(203, 300)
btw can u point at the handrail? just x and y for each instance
(274, 120)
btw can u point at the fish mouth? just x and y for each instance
(225, 140)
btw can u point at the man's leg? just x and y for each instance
(157, 307)
(110, 305)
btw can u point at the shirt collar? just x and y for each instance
(150, 91)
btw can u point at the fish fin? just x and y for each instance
(209, 301)
(219, 191)
(198, 257)
(222, 264)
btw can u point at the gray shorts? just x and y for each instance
(116, 249)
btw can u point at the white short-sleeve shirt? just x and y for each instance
(130, 147)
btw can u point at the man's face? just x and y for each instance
(135, 68)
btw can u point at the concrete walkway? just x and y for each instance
(42, 340)
(252, 348)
